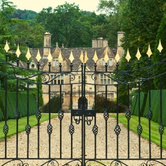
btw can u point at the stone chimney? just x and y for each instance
(47, 44)
(99, 42)
(120, 49)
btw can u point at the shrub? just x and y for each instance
(54, 105)
(111, 105)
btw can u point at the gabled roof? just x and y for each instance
(76, 53)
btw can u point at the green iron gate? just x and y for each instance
(82, 136)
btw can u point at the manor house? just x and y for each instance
(63, 80)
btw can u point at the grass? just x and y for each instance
(155, 136)
(22, 123)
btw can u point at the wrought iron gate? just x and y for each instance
(84, 137)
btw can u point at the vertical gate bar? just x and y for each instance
(149, 122)
(28, 126)
(49, 128)
(49, 107)
(161, 112)
(6, 86)
(117, 129)
(38, 114)
(83, 115)
(71, 104)
(139, 128)
(17, 112)
(161, 136)
(60, 86)
(95, 135)
(5, 129)
(149, 114)
(139, 117)
(27, 119)
(128, 121)
(106, 125)
(117, 119)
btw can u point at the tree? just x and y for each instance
(113, 11)
(71, 26)
(161, 33)
(140, 21)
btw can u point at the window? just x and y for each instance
(57, 63)
(108, 80)
(53, 63)
(110, 62)
(101, 78)
(79, 79)
(103, 62)
(57, 79)
(112, 95)
(52, 76)
(104, 79)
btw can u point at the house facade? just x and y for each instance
(61, 78)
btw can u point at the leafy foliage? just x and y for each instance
(53, 106)
(72, 27)
(24, 15)
(111, 106)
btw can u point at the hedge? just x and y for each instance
(11, 104)
(155, 105)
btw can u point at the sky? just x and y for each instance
(38, 5)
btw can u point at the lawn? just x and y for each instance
(155, 136)
(22, 123)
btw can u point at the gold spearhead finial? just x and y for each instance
(106, 58)
(95, 57)
(128, 57)
(138, 55)
(28, 55)
(82, 57)
(86, 57)
(6, 48)
(60, 59)
(38, 57)
(160, 47)
(49, 57)
(149, 52)
(71, 58)
(18, 52)
(117, 57)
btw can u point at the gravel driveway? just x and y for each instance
(66, 143)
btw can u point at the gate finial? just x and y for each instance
(60, 59)
(95, 58)
(71, 58)
(18, 52)
(6, 48)
(38, 57)
(138, 55)
(128, 57)
(28, 55)
(160, 47)
(117, 57)
(106, 58)
(86, 57)
(149, 52)
(49, 57)
(82, 57)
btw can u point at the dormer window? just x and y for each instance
(55, 62)
(109, 63)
